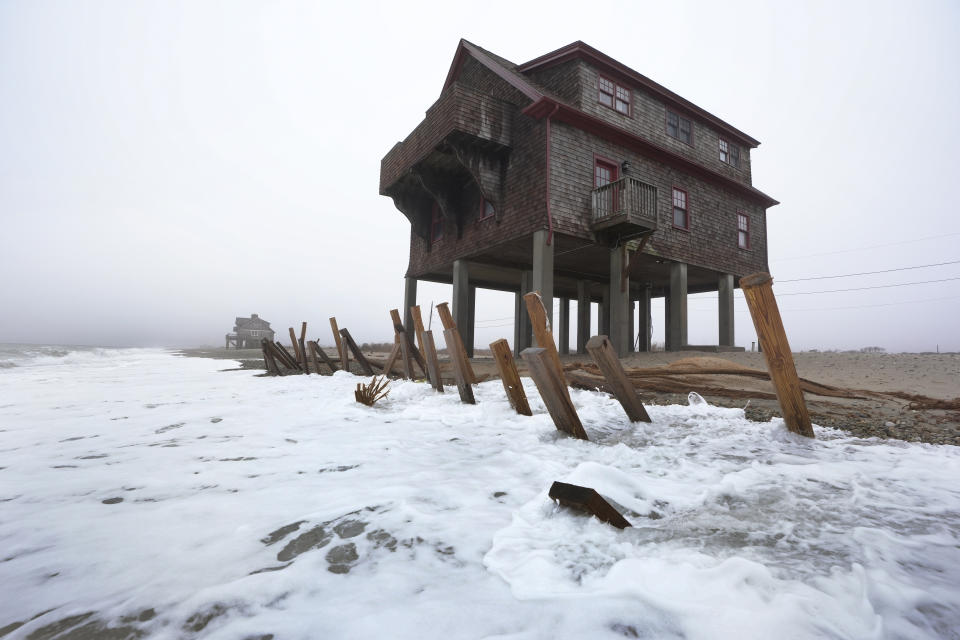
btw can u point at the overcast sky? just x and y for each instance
(166, 166)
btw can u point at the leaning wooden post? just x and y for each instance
(610, 366)
(281, 352)
(446, 318)
(412, 350)
(314, 348)
(510, 377)
(268, 358)
(296, 349)
(341, 352)
(392, 358)
(323, 356)
(543, 332)
(461, 365)
(433, 364)
(303, 348)
(758, 290)
(405, 349)
(349, 342)
(553, 391)
(418, 327)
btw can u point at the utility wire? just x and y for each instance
(880, 286)
(868, 273)
(875, 246)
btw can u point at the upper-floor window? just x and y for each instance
(729, 153)
(614, 96)
(743, 230)
(436, 224)
(679, 127)
(681, 214)
(486, 209)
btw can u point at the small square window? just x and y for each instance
(613, 95)
(729, 153)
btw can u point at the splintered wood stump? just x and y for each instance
(268, 358)
(408, 339)
(758, 290)
(503, 356)
(587, 499)
(433, 364)
(446, 319)
(623, 390)
(458, 358)
(323, 356)
(357, 354)
(553, 390)
(418, 328)
(293, 343)
(341, 352)
(543, 333)
(392, 358)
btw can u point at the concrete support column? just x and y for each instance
(470, 335)
(603, 313)
(618, 301)
(666, 322)
(564, 335)
(646, 320)
(522, 331)
(543, 271)
(725, 296)
(409, 300)
(633, 327)
(677, 329)
(461, 302)
(583, 315)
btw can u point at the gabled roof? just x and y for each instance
(583, 51)
(543, 104)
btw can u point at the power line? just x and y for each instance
(875, 246)
(880, 286)
(868, 273)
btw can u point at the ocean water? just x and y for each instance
(144, 494)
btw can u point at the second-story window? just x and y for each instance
(614, 96)
(681, 215)
(743, 230)
(679, 127)
(729, 153)
(486, 209)
(436, 224)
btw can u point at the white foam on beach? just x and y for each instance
(742, 530)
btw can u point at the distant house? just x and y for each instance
(248, 332)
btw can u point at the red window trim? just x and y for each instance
(686, 201)
(679, 114)
(613, 105)
(613, 164)
(747, 217)
(481, 210)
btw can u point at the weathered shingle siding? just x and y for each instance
(711, 241)
(648, 118)
(525, 189)
(562, 80)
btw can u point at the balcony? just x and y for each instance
(624, 210)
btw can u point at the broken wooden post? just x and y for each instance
(461, 365)
(314, 348)
(553, 390)
(341, 352)
(303, 348)
(418, 328)
(587, 499)
(758, 291)
(357, 354)
(285, 357)
(433, 364)
(406, 337)
(392, 358)
(293, 344)
(323, 356)
(268, 359)
(543, 333)
(405, 349)
(612, 369)
(503, 356)
(446, 318)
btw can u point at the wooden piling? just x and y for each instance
(357, 354)
(341, 352)
(433, 364)
(418, 328)
(553, 390)
(612, 369)
(268, 359)
(543, 333)
(503, 356)
(293, 343)
(279, 351)
(587, 499)
(314, 348)
(392, 358)
(408, 339)
(758, 291)
(405, 349)
(461, 365)
(446, 318)
(303, 348)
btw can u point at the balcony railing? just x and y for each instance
(629, 200)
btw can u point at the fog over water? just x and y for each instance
(167, 166)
